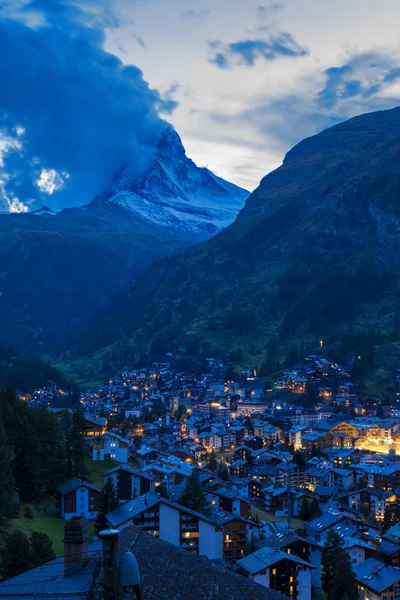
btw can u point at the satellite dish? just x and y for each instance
(129, 574)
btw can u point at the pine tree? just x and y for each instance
(333, 543)
(343, 585)
(6, 479)
(194, 496)
(387, 519)
(314, 508)
(212, 462)
(305, 510)
(107, 503)
(14, 555)
(78, 448)
(41, 549)
(299, 459)
(223, 471)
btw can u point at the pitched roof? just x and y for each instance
(127, 511)
(47, 581)
(168, 572)
(266, 557)
(129, 469)
(74, 484)
(376, 575)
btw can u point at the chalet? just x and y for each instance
(236, 534)
(276, 500)
(254, 442)
(77, 498)
(242, 452)
(146, 455)
(227, 500)
(377, 580)
(279, 571)
(239, 468)
(304, 548)
(130, 482)
(172, 522)
(110, 446)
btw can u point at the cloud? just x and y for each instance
(80, 112)
(168, 103)
(364, 75)
(363, 83)
(274, 45)
(264, 12)
(198, 15)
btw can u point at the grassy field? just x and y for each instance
(50, 523)
(97, 468)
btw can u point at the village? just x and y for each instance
(279, 468)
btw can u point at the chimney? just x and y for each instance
(75, 544)
(111, 564)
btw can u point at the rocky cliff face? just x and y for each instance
(174, 194)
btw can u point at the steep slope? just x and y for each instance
(316, 249)
(59, 268)
(173, 193)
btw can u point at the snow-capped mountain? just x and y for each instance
(174, 194)
(43, 210)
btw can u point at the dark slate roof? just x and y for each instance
(131, 509)
(128, 469)
(167, 573)
(388, 548)
(48, 581)
(376, 575)
(74, 484)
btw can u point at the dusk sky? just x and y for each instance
(241, 82)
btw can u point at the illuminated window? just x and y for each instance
(273, 571)
(288, 550)
(291, 579)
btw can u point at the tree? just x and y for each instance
(107, 503)
(387, 519)
(6, 479)
(41, 549)
(14, 555)
(333, 544)
(194, 497)
(338, 580)
(314, 508)
(212, 462)
(182, 410)
(305, 510)
(78, 449)
(344, 584)
(223, 471)
(299, 459)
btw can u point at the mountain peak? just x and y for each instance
(173, 193)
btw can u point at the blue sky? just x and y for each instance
(89, 83)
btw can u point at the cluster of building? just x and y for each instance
(263, 460)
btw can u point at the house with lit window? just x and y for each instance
(280, 571)
(110, 446)
(377, 581)
(171, 522)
